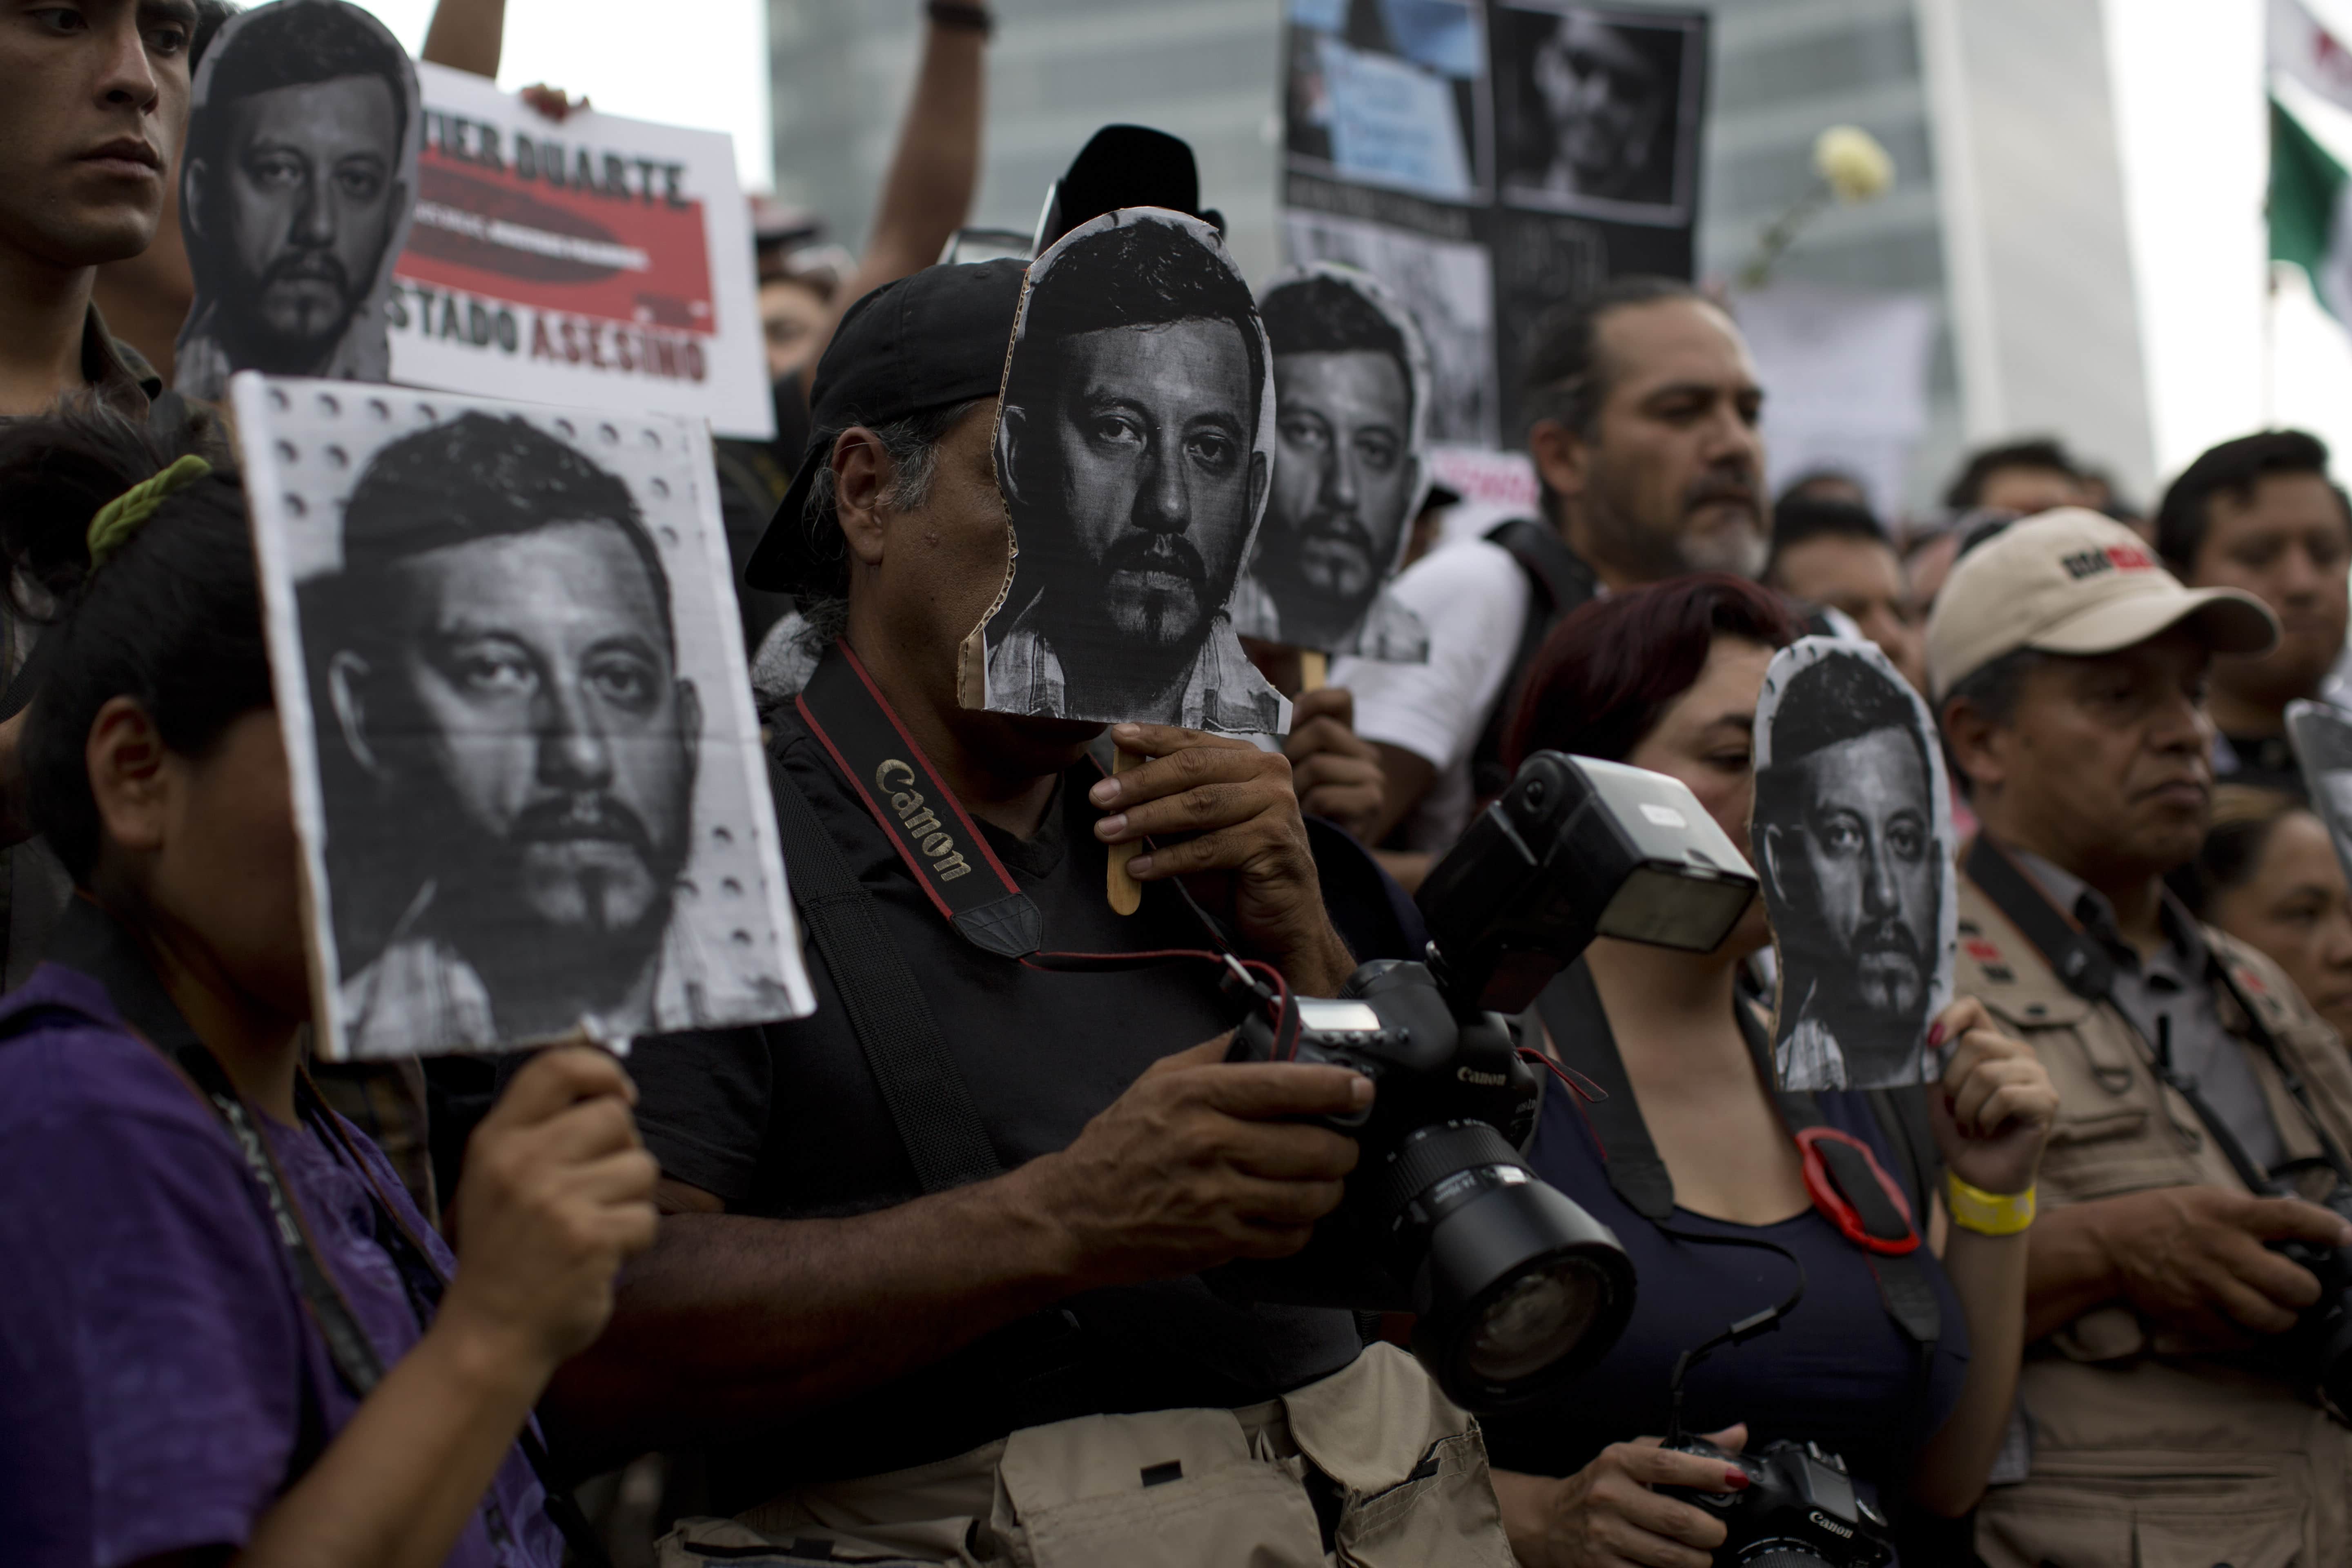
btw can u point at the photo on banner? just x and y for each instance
(1351, 469)
(527, 774)
(1134, 446)
(2322, 737)
(1548, 146)
(1853, 841)
(297, 192)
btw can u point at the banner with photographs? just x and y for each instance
(527, 774)
(354, 215)
(1487, 159)
(1852, 837)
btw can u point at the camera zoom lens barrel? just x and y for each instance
(1517, 1287)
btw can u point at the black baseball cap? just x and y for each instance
(927, 341)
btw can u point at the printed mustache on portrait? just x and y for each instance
(1168, 552)
(570, 819)
(1332, 525)
(1886, 936)
(308, 267)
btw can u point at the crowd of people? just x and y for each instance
(944, 1273)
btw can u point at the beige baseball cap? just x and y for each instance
(2071, 581)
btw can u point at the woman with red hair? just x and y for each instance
(1678, 1141)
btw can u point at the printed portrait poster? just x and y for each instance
(2322, 737)
(1488, 159)
(1851, 838)
(342, 223)
(1135, 449)
(1351, 469)
(297, 190)
(527, 776)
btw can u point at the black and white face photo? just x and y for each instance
(1351, 383)
(1133, 447)
(2321, 738)
(1853, 842)
(1594, 113)
(1445, 288)
(531, 765)
(296, 192)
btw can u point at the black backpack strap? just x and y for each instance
(930, 1103)
(1559, 582)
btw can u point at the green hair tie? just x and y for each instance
(121, 518)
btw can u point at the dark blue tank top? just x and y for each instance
(1838, 1370)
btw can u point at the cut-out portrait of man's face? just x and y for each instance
(304, 208)
(1853, 840)
(1134, 452)
(1344, 472)
(1863, 853)
(519, 699)
(297, 191)
(1152, 437)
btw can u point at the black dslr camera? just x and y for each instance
(1799, 1509)
(2319, 1346)
(1516, 1288)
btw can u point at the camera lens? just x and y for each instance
(1781, 1554)
(1518, 1289)
(1535, 1319)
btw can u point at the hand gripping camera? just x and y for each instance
(1516, 1288)
(1799, 1509)
(2319, 1346)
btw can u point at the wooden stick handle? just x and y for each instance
(1314, 669)
(1126, 892)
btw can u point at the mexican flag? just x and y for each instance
(2310, 223)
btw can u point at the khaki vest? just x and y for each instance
(2142, 1458)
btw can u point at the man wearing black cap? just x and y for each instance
(931, 1288)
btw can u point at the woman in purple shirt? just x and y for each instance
(224, 1336)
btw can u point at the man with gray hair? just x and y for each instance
(1645, 403)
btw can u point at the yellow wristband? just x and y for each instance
(1986, 1214)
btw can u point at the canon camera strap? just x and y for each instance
(2088, 969)
(90, 940)
(1841, 1175)
(940, 844)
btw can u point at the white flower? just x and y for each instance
(1856, 167)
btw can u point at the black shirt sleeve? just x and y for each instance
(703, 1103)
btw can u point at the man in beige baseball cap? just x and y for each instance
(2069, 675)
(2074, 581)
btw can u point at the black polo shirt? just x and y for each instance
(787, 1121)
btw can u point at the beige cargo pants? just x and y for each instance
(1173, 1489)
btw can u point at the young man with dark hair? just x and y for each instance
(2023, 477)
(2261, 514)
(2201, 1100)
(93, 106)
(301, 170)
(1835, 555)
(887, 1313)
(1645, 406)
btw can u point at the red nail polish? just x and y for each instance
(1735, 1479)
(1935, 1034)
